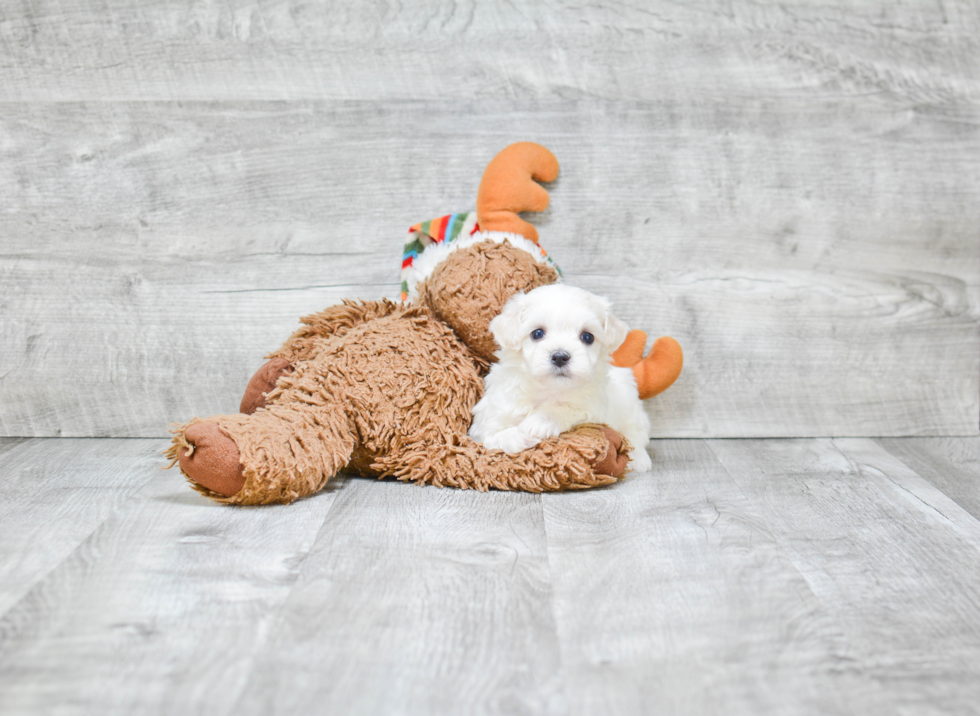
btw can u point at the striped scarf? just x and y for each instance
(436, 231)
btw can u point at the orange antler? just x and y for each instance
(658, 371)
(508, 186)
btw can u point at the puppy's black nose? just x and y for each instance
(560, 358)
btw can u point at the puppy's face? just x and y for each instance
(560, 332)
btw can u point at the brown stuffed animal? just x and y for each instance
(378, 389)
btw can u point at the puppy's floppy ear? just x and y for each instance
(615, 332)
(507, 328)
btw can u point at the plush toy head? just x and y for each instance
(466, 271)
(469, 285)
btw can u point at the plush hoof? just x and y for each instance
(214, 461)
(262, 383)
(616, 460)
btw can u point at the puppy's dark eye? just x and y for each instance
(537, 334)
(587, 338)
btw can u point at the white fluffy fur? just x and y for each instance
(532, 393)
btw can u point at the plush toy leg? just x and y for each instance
(334, 321)
(211, 459)
(616, 459)
(588, 456)
(263, 383)
(278, 454)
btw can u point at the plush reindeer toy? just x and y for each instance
(383, 389)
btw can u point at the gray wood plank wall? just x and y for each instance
(790, 190)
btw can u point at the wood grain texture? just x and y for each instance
(893, 560)
(813, 256)
(162, 609)
(738, 577)
(7, 444)
(417, 601)
(672, 595)
(951, 464)
(787, 189)
(491, 51)
(54, 495)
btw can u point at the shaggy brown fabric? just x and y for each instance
(385, 390)
(331, 322)
(617, 456)
(263, 383)
(469, 305)
(210, 459)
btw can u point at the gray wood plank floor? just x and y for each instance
(808, 576)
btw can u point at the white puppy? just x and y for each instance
(554, 372)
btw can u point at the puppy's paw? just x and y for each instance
(640, 460)
(511, 441)
(541, 426)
